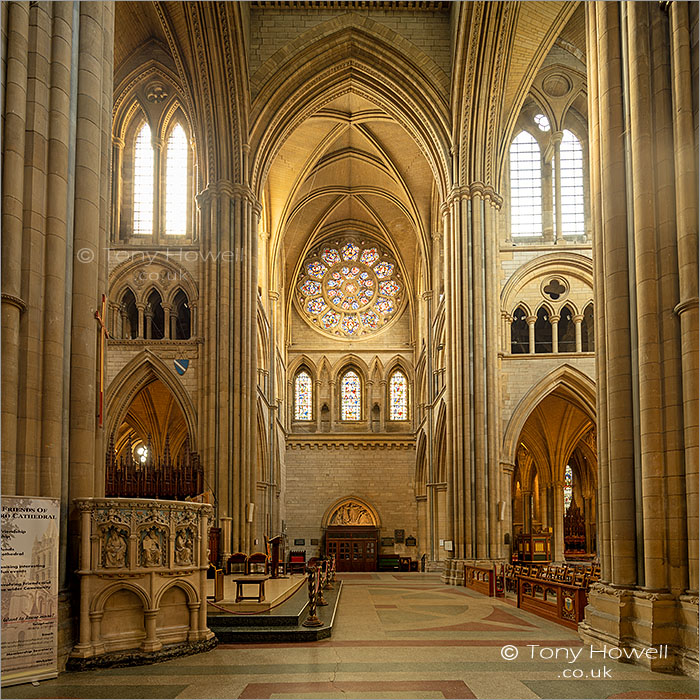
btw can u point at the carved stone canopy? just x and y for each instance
(352, 513)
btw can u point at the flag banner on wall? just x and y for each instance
(29, 589)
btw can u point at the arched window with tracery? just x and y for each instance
(303, 396)
(129, 316)
(543, 331)
(566, 330)
(519, 333)
(525, 186)
(176, 173)
(350, 396)
(154, 177)
(155, 317)
(144, 180)
(181, 318)
(587, 339)
(398, 396)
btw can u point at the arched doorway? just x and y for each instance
(555, 477)
(150, 451)
(352, 532)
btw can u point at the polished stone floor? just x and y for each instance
(396, 636)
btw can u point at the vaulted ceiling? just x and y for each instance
(349, 164)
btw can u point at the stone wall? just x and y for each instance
(322, 470)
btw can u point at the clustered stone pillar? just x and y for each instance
(645, 257)
(56, 164)
(472, 337)
(229, 220)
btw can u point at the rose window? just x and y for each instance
(352, 288)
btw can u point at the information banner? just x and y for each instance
(29, 589)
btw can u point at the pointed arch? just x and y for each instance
(570, 382)
(136, 375)
(186, 586)
(364, 59)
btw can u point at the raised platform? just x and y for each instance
(281, 623)
(277, 590)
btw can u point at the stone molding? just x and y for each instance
(358, 442)
(14, 301)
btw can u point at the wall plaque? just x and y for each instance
(387, 541)
(411, 542)
(299, 543)
(398, 535)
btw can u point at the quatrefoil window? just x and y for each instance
(555, 289)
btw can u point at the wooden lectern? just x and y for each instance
(277, 555)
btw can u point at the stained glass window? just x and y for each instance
(303, 397)
(398, 396)
(143, 182)
(350, 396)
(568, 486)
(525, 186)
(350, 289)
(176, 183)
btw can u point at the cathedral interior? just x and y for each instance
(411, 285)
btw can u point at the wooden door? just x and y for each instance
(355, 553)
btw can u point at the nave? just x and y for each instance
(397, 635)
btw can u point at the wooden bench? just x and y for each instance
(480, 579)
(556, 601)
(241, 581)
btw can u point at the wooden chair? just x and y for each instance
(236, 563)
(257, 563)
(297, 562)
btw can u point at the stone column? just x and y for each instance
(527, 511)
(577, 329)
(558, 523)
(472, 337)
(686, 195)
(149, 322)
(141, 308)
(13, 306)
(531, 320)
(506, 324)
(167, 334)
(556, 140)
(229, 216)
(642, 184)
(555, 332)
(117, 155)
(543, 507)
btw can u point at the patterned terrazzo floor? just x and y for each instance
(396, 636)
